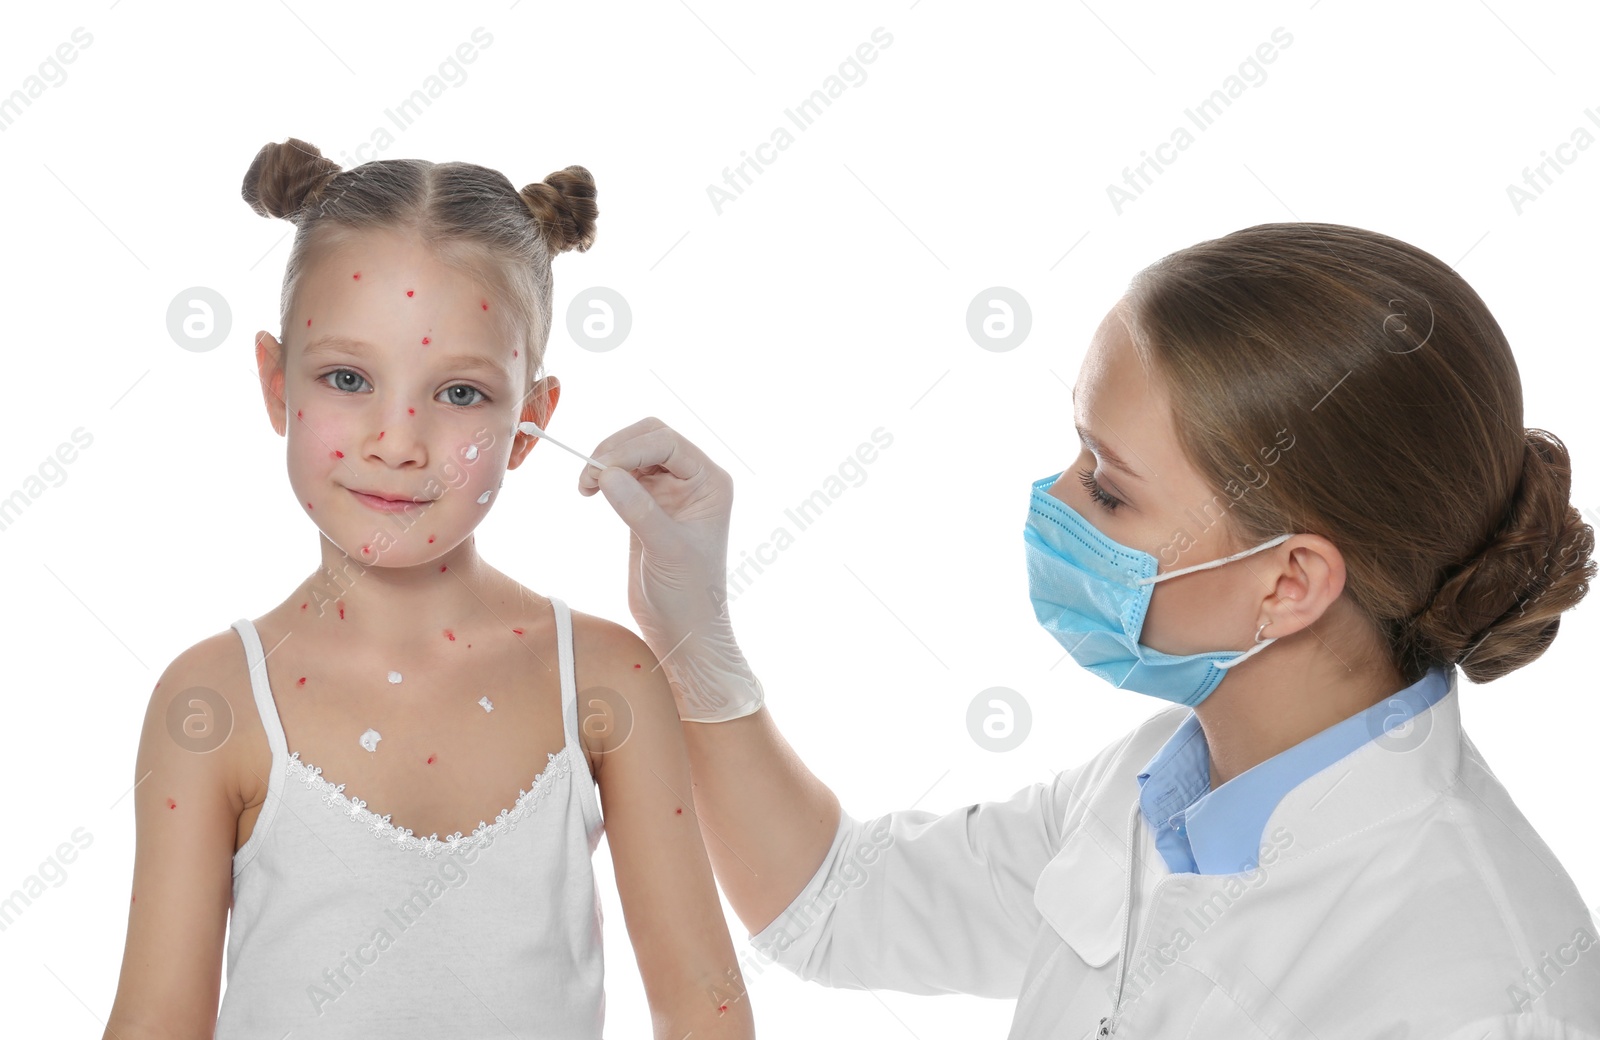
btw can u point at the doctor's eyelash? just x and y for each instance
(1107, 502)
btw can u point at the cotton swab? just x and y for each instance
(533, 431)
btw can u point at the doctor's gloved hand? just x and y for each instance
(677, 504)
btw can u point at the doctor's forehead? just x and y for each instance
(1122, 406)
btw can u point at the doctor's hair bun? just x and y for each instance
(1331, 380)
(564, 207)
(285, 177)
(1500, 609)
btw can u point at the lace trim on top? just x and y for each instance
(559, 765)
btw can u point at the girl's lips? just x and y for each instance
(384, 505)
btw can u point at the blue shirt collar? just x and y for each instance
(1201, 831)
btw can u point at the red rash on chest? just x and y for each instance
(450, 635)
(171, 804)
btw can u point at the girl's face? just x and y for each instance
(397, 391)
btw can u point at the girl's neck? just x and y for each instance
(405, 609)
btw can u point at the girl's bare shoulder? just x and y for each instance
(202, 717)
(615, 670)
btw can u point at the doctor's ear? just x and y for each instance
(1305, 578)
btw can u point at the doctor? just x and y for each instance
(1304, 842)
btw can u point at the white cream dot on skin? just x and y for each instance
(370, 738)
(394, 677)
(484, 497)
(472, 452)
(486, 703)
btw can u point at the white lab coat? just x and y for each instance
(1400, 895)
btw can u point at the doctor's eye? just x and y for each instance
(1086, 478)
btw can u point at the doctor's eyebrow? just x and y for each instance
(1095, 445)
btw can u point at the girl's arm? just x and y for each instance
(186, 809)
(669, 898)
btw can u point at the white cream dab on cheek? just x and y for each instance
(472, 452)
(394, 677)
(370, 738)
(486, 703)
(484, 497)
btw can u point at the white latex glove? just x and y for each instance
(677, 504)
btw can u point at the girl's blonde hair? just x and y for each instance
(1403, 411)
(468, 216)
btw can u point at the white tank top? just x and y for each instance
(344, 926)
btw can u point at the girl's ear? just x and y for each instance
(537, 408)
(269, 366)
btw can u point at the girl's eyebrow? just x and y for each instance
(332, 345)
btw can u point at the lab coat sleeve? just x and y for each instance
(924, 903)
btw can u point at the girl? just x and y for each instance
(1303, 501)
(360, 824)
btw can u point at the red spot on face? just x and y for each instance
(298, 413)
(341, 610)
(380, 435)
(485, 304)
(302, 606)
(680, 810)
(411, 411)
(338, 454)
(308, 323)
(308, 505)
(518, 631)
(302, 681)
(431, 758)
(638, 666)
(721, 1009)
(450, 635)
(366, 549)
(356, 275)
(430, 539)
(441, 568)
(424, 341)
(514, 353)
(411, 292)
(171, 804)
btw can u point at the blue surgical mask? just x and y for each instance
(1091, 593)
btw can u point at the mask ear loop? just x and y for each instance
(1261, 644)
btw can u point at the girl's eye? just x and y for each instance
(469, 389)
(345, 387)
(342, 372)
(1107, 502)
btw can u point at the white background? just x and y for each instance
(827, 300)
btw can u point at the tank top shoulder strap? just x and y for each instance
(569, 681)
(577, 756)
(266, 707)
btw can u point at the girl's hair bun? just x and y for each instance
(563, 205)
(286, 177)
(1502, 608)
